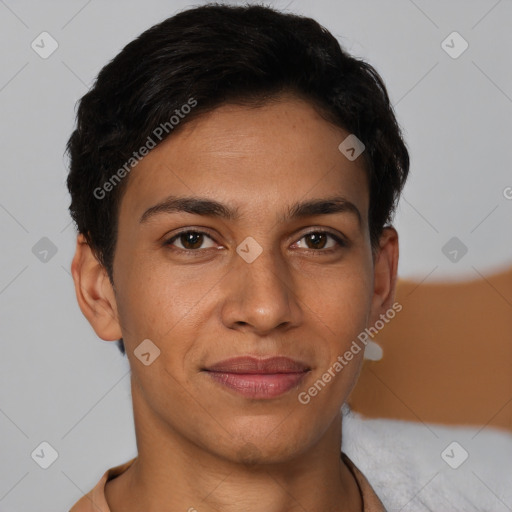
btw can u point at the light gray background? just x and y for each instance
(58, 382)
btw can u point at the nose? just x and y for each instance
(260, 296)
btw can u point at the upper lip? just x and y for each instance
(258, 365)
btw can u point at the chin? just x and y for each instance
(258, 448)
(250, 454)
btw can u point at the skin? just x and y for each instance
(199, 444)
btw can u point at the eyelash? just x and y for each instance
(338, 240)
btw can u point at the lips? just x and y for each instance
(257, 365)
(258, 378)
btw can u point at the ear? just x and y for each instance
(385, 273)
(94, 292)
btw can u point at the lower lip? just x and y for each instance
(260, 385)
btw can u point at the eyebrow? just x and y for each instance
(212, 208)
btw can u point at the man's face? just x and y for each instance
(206, 298)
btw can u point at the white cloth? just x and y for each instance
(403, 463)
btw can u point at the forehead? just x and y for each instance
(253, 157)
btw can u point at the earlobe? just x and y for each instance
(385, 273)
(94, 292)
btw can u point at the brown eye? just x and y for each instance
(318, 240)
(189, 240)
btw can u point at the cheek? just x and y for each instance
(152, 297)
(340, 301)
(170, 307)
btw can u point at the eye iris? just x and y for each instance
(316, 238)
(194, 239)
